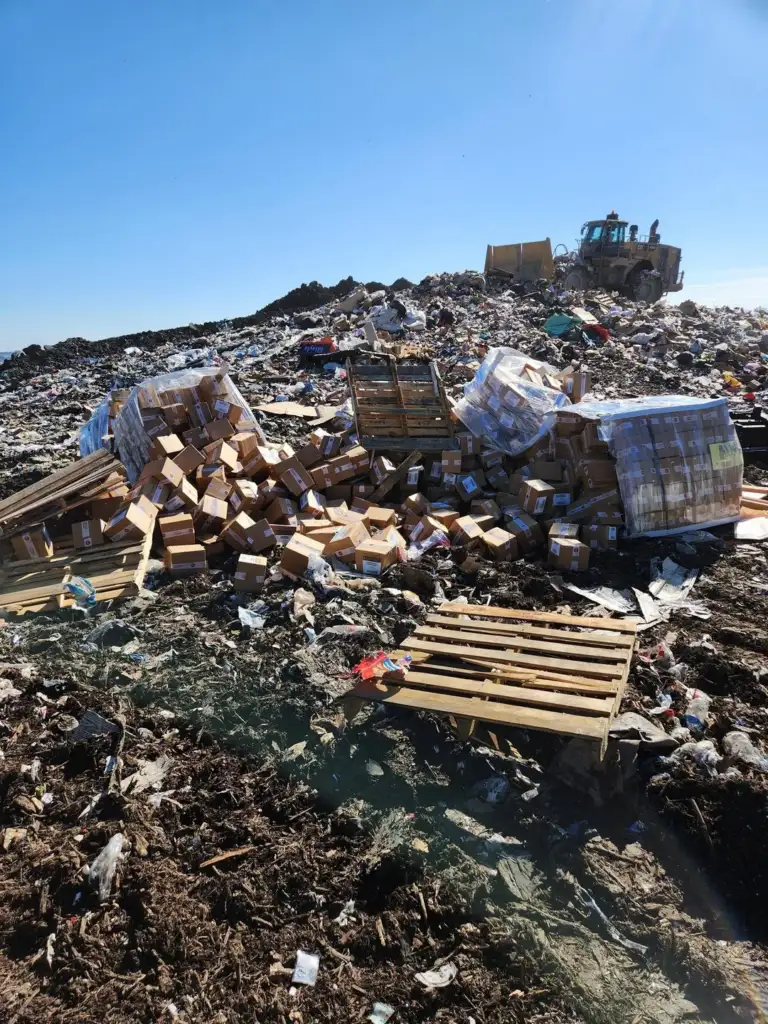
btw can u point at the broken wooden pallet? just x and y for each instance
(62, 490)
(35, 585)
(534, 670)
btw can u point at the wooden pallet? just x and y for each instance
(533, 670)
(36, 585)
(60, 491)
(400, 407)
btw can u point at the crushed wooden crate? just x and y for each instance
(35, 585)
(65, 489)
(533, 670)
(400, 407)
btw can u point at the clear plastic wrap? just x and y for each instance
(509, 403)
(131, 442)
(678, 461)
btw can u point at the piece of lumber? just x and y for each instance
(507, 629)
(520, 643)
(462, 608)
(393, 478)
(584, 668)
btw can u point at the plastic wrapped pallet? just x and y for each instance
(678, 461)
(508, 403)
(131, 441)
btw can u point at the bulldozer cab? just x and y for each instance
(603, 237)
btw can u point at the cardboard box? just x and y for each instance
(328, 444)
(541, 449)
(490, 458)
(564, 531)
(32, 544)
(166, 445)
(260, 462)
(281, 509)
(372, 557)
(435, 472)
(343, 516)
(451, 463)
(536, 497)
(157, 492)
(183, 496)
(132, 522)
(221, 453)
(250, 574)
(412, 478)
(195, 437)
(297, 553)
(183, 560)
(589, 505)
(240, 532)
(416, 503)
(526, 531)
(351, 464)
(381, 467)
(498, 479)
(598, 473)
(345, 540)
(175, 416)
(323, 478)
(177, 529)
(293, 476)
(204, 475)
(568, 424)
(599, 537)
(470, 445)
(246, 443)
(470, 485)
(309, 456)
(188, 460)
(577, 384)
(425, 527)
(566, 553)
(244, 496)
(219, 430)
(227, 410)
(218, 488)
(262, 536)
(270, 490)
(551, 472)
(445, 516)
(209, 515)
(485, 507)
(88, 533)
(467, 532)
(500, 544)
(376, 518)
(312, 501)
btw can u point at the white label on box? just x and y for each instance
(236, 501)
(449, 479)
(611, 533)
(177, 533)
(85, 529)
(221, 406)
(157, 493)
(293, 474)
(191, 565)
(413, 476)
(561, 499)
(554, 547)
(569, 386)
(417, 530)
(469, 485)
(575, 562)
(372, 568)
(521, 525)
(541, 504)
(174, 504)
(239, 575)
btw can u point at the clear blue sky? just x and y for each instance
(168, 161)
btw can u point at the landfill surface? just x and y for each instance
(184, 811)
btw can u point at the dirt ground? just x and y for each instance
(385, 846)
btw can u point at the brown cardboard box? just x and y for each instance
(451, 463)
(175, 416)
(155, 426)
(177, 529)
(564, 530)
(362, 505)
(412, 478)
(322, 535)
(104, 508)
(270, 490)
(199, 414)
(490, 458)
(416, 503)
(562, 498)
(312, 501)
(209, 515)
(445, 516)
(470, 485)
(297, 553)
(309, 456)
(281, 509)
(262, 536)
(435, 472)
(551, 472)
(344, 516)
(322, 477)
(362, 491)
(376, 518)
(204, 475)
(132, 522)
(519, 477)
(526, 531)
(240, 532)
(425, 527)
(345, 540)
(381, 467)
(219, 430)
(32, 544)
(470, 445)
(260, 462)
(185, 560)
(467, 532)
(88, 533)
(221, 453)
(339, 492)
(227, 410)
(536, 497)
(246, 443)
(156, 492)
(372, 557)
(485, 507)
(285, 451)
(541, 449)
(250, 573)
(166, 445)
(189, 459)
(498, 479)
(602, 538)
(294, 476)
(500, 544)
(351, 464)
(577, 384)
(569, 554)
(568, 423)
(195, 437)
(244, 496)
(219, 489)
(329, 444)
(183, 496)
(143, 502)
(598, 473)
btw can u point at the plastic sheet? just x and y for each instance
(131, 441)
(678, 461)
(508, 404)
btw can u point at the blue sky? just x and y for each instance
(171, 161)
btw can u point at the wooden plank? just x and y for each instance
(519, 643)
(505, 629)
(547, 678)
(488, 711)
(393, 478)
(511, 694)
(586, 668)
(462, 608)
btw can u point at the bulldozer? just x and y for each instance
(610, 255)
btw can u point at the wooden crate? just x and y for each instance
(533, 670)
(36, 585)
(400, 407)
